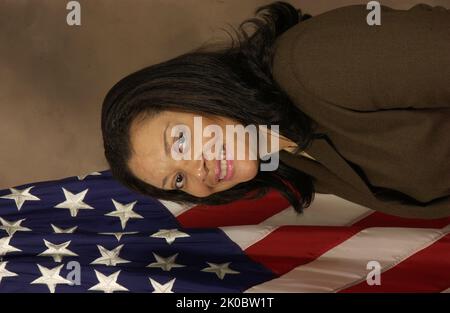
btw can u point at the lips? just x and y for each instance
(224, 166)
(218, 165)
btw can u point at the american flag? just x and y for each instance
(90, 234)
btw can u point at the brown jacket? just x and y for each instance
(381, 95)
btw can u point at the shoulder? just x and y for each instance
(315, 36)
(327, 54)
(337, 57)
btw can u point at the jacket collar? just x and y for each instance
(324, 152)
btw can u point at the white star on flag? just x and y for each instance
(169, 234)
(5, 247)
(20, 196)
(165, 264)
(108, 284)
(124, 212)
(81, 177)
(58, 230)
(51, 277)
(119, 234)
(57, 251)
(74, 202)
(219, 269)
(12, 227)
(109, 257)
(162, 288)
(4, 272)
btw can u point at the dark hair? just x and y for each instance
(234, 82)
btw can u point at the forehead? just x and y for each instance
(145, 130)
(147, 147)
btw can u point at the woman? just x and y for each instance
(363, 112)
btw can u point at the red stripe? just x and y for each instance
(290, 246)
(240, 212)
(426, 271)
(379, 219)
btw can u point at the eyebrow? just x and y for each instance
(167, 149)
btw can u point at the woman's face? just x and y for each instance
(197, 176)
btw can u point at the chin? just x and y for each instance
(248, 171)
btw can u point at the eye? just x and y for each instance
(181, 140)
(179, 181)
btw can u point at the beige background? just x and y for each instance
(54, 77)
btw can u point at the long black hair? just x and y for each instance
(234, 81)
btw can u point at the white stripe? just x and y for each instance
(325, 210)
(176, 208)
(247, 235)
(345, 265)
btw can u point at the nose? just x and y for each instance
(198, 169)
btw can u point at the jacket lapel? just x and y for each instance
(324, 153)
